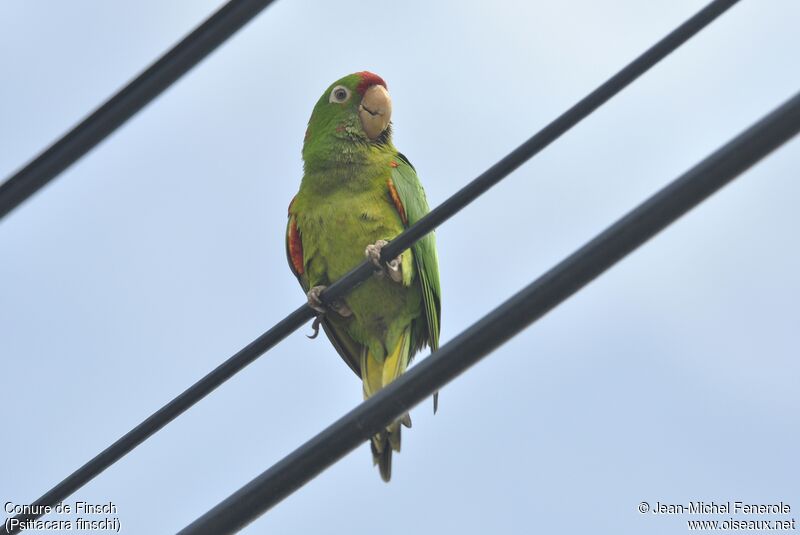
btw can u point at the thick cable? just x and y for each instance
(507, 320)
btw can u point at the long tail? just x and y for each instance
(375, 374)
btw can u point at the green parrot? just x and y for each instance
(357, 192)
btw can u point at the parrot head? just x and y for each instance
(354, 109)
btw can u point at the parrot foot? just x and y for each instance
(316, 303)
(392, 268)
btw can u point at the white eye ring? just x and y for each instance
(339, 94)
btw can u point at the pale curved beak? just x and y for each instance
(375, 111)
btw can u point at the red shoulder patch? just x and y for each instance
(368, 79)
(397, 202)
(295, 245)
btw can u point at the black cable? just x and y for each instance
(533, 302)
(129, 100)
(296, 319)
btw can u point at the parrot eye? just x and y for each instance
(339, 94)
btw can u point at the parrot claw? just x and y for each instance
(315, 326)
(392, 268)
(406, 420)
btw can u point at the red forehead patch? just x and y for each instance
(368, 79)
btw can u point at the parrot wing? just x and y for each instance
(348, 349)
(294, 249)
(409, 197)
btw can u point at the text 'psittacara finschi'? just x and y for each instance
(357, 193)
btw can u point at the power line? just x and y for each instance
(128, 101)
(440, 214)
(507, 320)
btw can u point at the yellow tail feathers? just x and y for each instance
(375, 374)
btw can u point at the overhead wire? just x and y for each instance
(128, 101)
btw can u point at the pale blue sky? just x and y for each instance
(673, 377)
